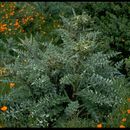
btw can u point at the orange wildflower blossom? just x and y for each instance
(3, 27)
(12, 85)
(4, 108)
(122, 126)
(17, 24)
(128, 111)
(123, 120)
(27, 19)
(12, 13)
(99, 125)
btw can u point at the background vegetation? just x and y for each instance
(65, 64)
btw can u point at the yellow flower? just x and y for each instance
(4, 108)
(122, 126)
(12, 85)
(99, 125)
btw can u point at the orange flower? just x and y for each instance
(4, 108)
(123, 120)
(4, 25)
(128, 111)
(122, 126)
(12, 85)
(12, 13)
(128, 99)
(99, 125)
(17, 24)
(24, 21)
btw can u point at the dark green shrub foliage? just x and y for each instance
(112, 19)
(60, 81)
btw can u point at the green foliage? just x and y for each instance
(68, 72)
(7, 53)
(72, 108)
(62, 80)
(76, 122)
(112, 20)
(127, 67)
(53, 8)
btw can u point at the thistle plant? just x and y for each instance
(59, 81)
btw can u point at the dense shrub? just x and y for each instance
(61, 81)
(65, 69)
